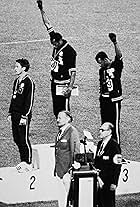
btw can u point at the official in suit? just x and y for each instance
(67, 144)
(108, 160)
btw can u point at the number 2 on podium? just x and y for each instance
(33, 179)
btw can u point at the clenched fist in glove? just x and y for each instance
(39, 2)
(112, 37)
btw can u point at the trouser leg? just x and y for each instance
(116, 121)
(110, 112)
(70, 197)
(21, 138)
(59, 102)
(62, 194)
(106, 198)
(67, 184)
(66, 181)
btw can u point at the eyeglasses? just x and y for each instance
(102, 130)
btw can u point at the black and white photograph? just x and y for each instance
(70, 103)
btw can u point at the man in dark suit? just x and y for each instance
(67, 144)
(108, 160)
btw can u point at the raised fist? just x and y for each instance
(112, 37)
(39, 2)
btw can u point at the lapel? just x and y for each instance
(105, 148)
(108, 144)
(63, 134)
(100, 152)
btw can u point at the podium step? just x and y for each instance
(41, 185)
(36, 185)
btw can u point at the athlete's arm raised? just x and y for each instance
(44, 17)
(112, 37)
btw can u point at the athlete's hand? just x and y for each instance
(67, 91)
(112, 37)
(23, 121)
(40, 6)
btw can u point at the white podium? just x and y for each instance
(129, 178)
(37, 185)
(41, 185)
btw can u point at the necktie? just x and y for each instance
(101, 149)
(59, 134)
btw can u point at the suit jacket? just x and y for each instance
(65, 149)
(108, 162)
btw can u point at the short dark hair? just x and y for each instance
(55, 36)
(102, 55)
(24, 63)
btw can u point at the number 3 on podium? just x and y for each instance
(125, 175)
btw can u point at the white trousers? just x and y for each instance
(65, 181)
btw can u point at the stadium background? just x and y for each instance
(85, 24)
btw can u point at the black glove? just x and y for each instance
(39, 2)
(112, 37)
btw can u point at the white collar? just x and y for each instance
(64, 127)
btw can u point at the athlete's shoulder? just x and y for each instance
(72, 49)
(118, 59)
(69, 48)
(28, 80)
